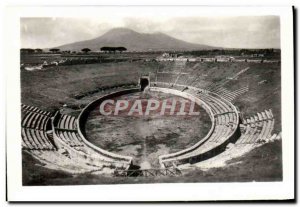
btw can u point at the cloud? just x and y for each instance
(232, 32)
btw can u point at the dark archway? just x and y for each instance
(144, 82)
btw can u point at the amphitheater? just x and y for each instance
(59, 140)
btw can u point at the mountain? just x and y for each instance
(134, 41)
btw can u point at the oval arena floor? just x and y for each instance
(146, 137)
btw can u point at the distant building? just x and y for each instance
(258, 55)
(224, 58)
(171, 55)
(165, 55)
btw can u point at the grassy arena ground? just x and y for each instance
(77, 85)
(146, 137)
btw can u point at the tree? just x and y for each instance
(38, 50)
(85, 50)
(105, 49)
(27, 50)
(113, 49)
(54, 50)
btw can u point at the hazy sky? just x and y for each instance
(231, 32)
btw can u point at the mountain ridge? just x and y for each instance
(134, 41)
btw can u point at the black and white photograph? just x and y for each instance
(132, 99)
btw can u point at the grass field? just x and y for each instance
(53, 87)
(259, 97)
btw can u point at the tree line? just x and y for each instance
(213, 52)
(113, 49)
(84, 50)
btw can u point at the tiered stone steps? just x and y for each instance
(230, 95)
(36, 140)
(34, 125)
(34, 118)
(59, 146)
(257, 128)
